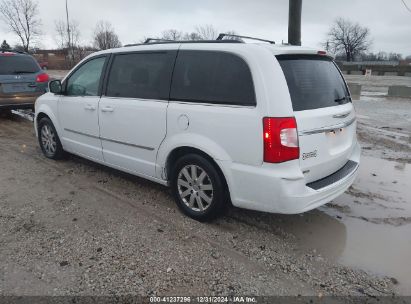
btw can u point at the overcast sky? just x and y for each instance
(388, 20)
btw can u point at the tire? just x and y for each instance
(203, 198)
(5, 113)
(49, 141)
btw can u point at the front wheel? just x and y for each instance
(198, 187)
(48, 139)
(5, 113)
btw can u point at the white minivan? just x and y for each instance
(265, 127)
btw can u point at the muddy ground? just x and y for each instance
(76, 228)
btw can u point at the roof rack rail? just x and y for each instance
(222, 35)
(11, 50)
(160, 41)
(148, 40)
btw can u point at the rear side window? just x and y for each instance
(212, 77)
(314, 82)
(17, 64)
(141, 75)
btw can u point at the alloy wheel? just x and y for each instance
(48, 139)
(195, 188)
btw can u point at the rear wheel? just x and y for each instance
(198, 187)
(48, 139)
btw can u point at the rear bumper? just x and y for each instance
(281, 188)
(17, 106)
(18, 102)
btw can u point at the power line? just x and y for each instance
(406, 6)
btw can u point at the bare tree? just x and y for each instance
(348, 38)
(191, 36)
(64, 42)
(22, 18)
(395, 56)
(206, 32)
(62, 39)
(172, 34)
(202, 32)
(105, 36)
(176, 35)
(382, 56)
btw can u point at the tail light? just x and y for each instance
(7, 54)
(280, 140)
(42, 78)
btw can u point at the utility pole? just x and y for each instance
(69, 47)
(294, 22)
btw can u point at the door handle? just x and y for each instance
(107, 109)
(89, 107)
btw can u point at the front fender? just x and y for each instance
(50, 112)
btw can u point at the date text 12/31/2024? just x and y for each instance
(233, 299)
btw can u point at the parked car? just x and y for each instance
(269, 128)
(44, 65)
(22, 80)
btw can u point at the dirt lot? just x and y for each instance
(76, 228)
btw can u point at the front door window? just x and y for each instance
(86, 80)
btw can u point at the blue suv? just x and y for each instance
(22, 80)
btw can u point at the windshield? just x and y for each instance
(15, 64)
(313, 81)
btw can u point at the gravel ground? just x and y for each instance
(76, 228)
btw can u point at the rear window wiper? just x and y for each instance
(345, 98)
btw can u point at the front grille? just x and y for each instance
(335, 177)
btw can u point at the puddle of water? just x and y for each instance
(369, 227)
(380, 249)
(376, 213)
(382, 190)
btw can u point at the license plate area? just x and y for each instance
(339, 140)
(12, 88)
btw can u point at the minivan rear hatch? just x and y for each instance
(324, 113)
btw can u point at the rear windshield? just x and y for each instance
(16, 64)
(314, 82)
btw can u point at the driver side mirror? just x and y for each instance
(56, 87)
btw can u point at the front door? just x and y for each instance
(134, 109)
(78, 110)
